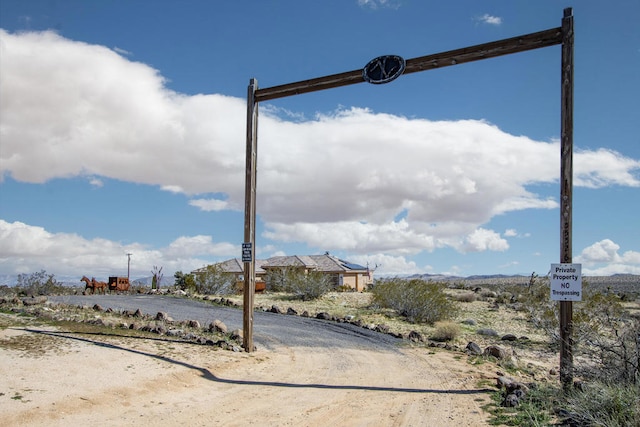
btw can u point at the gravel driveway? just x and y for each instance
(270, 329)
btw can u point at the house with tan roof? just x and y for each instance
(343, 273)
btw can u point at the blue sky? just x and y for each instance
(123, 123)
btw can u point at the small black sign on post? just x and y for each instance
(247, 252)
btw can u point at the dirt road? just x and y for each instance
(60, 379)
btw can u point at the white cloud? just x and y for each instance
(122, 51)
(489, 19)
(96, 182)
(176, 189)
(375, 4)
(509, 264)
(511, 232)
(482, 240)
(69, 108)
(74, 109)
(603, 168)
(209, 205)
(387, 265)
(26, 248)
(602, 251)
(353, 236)
(191, 246)
(602, 259)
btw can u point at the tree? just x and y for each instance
(310, 285)
(39, 283)
(278, 279)
(183, 281)
(214, 280)
(302, 285)
(157, 277)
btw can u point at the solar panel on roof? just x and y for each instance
(352, 266)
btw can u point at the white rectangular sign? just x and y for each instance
(566, 282)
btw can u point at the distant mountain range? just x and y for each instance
(619, 282)
(474, 279)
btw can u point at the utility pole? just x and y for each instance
(128, 264)
(249, 244)
(566, 194)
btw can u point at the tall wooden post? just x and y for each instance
(250, 215)
(566, 194)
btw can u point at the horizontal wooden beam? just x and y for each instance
(312, 85)
(484, 51)
(423, 63)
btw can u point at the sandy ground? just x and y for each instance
(50, 378)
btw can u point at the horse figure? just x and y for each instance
(89, 284)
(98, 286)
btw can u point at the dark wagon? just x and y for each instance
(119, 284)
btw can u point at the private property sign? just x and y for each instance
(566, 282)
(247, 252)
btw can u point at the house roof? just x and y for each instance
(234, 265)
(290, 261)
(325, 263)
(328, 262)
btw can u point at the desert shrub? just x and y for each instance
(446, 331)
(466, 297)
(213, 280)
(309, 286)
(417, 300)
(614, 345)
(488, 293)
(300, 284)
(535, 408)
(277, 279)
(39, 283)
(595, 404)
(604, 404)
(603, 331)
(137, 288)
(607, 338)
(457, 285)
(504, 297)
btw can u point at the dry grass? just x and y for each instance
(446, 331)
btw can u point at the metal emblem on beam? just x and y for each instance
(383, 69)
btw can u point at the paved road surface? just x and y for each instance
(269, 329)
